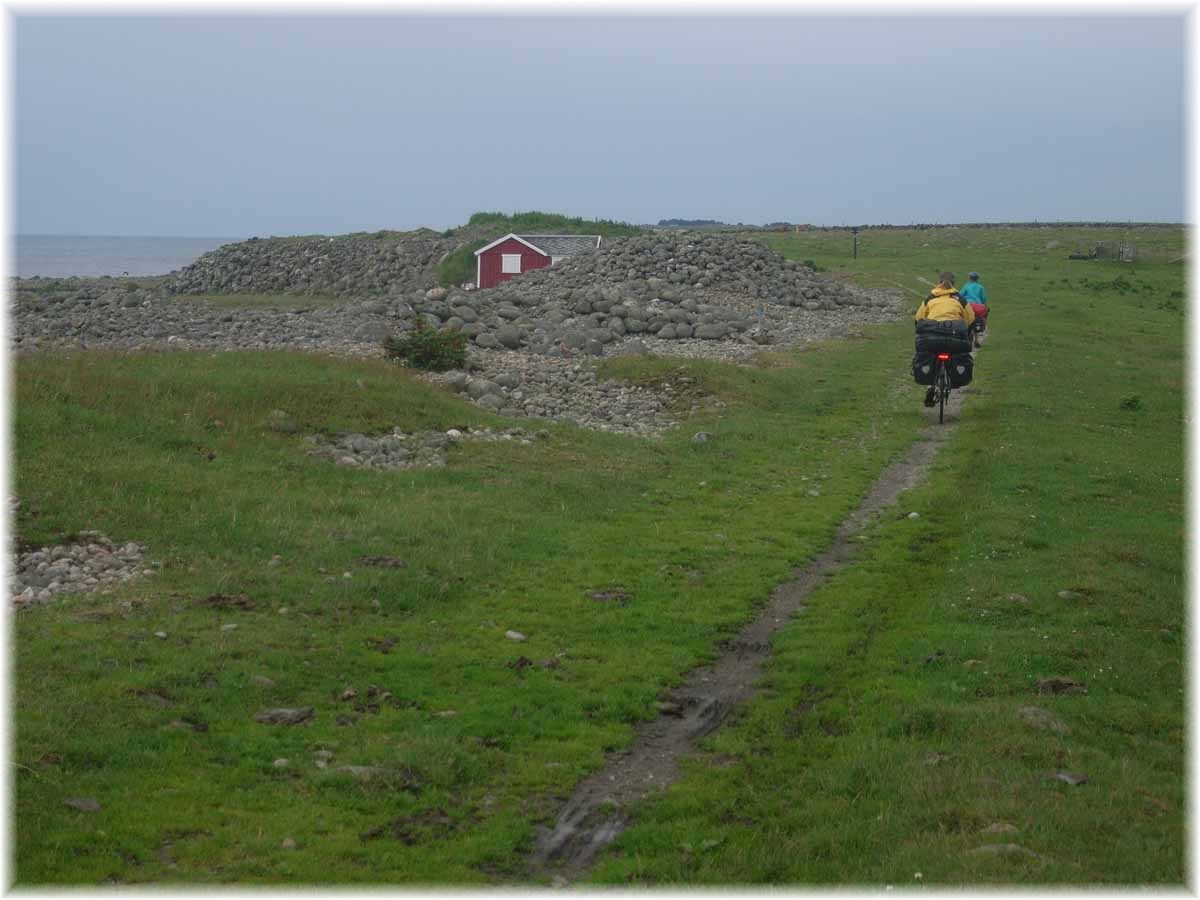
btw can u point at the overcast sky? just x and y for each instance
(237, 126)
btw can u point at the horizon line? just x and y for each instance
(708, 223)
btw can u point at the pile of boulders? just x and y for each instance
(666, 267)
(98, 313)
(348, 265)
(672, 268)
(666, 287)
(669, 287)
(518, 383)
(93, 563)
(585, 320)
(129, 315)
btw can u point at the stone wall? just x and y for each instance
(351, 265)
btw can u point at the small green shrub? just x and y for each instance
(811, 264)
(427, 348)
(1131, 402)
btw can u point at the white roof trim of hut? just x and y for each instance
(514, 237)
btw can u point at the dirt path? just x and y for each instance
(601, 806)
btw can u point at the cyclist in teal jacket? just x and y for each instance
(973, 291)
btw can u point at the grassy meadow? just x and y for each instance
(889, 745)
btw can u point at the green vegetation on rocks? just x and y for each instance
(551, 223)
(458, 266)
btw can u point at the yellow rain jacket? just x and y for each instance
(944, 305)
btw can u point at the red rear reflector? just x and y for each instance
(943, 356)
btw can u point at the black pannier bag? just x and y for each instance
(924, 367)
(960, 368)
(950, 336)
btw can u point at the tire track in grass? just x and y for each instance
(601, 806)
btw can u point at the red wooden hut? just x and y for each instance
(509, 256)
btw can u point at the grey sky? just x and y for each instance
(206, 125)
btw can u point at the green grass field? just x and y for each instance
(888, 738)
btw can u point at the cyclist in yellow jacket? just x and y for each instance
(944, 305)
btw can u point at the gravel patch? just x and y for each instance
(398, 450)
(92, 564)
(519, 383)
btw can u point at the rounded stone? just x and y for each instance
(509, 336)
(480, 387)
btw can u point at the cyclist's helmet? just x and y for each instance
(973, 275)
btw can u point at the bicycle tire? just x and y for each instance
(943, 390)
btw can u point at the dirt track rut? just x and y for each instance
(601, 806)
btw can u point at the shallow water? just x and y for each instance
(62, 256)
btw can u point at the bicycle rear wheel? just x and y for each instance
(943, 391)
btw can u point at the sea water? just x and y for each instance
(62, 256)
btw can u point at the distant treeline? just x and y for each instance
(552, 223)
